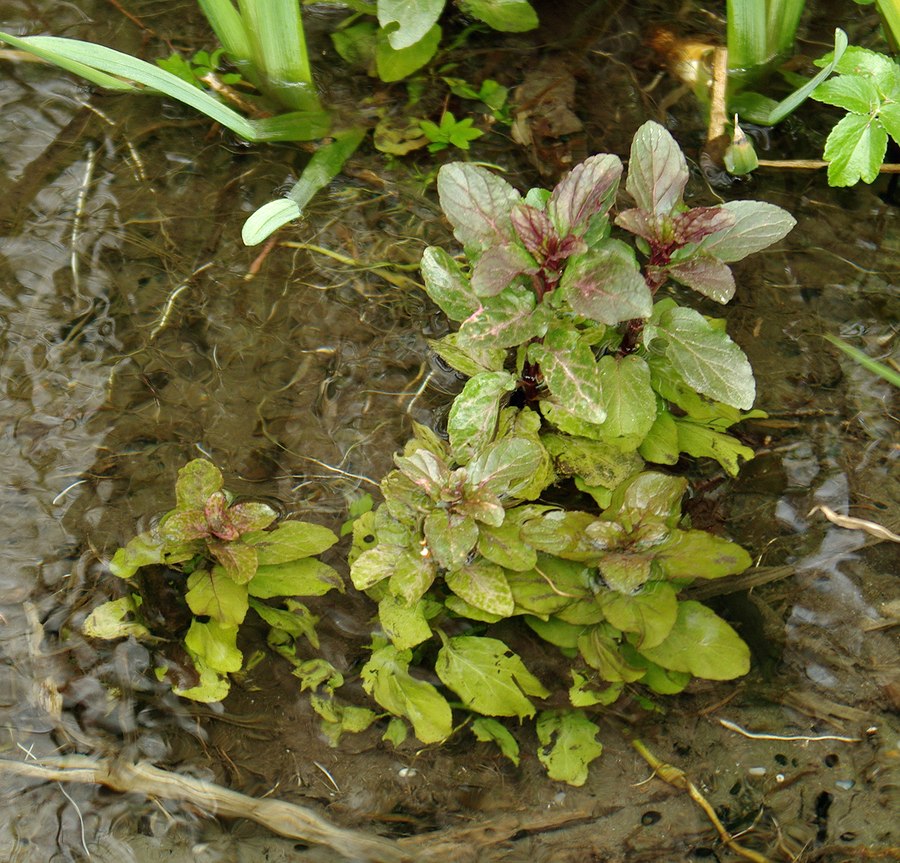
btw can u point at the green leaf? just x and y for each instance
(626, 571)
(267, 219)
(504, 321)
(450, 538)
(387, 679)
(296, 619)
(338, 719)
(405, 625)
(109, 620)
(412, 19)
(487, 730)
(707, 358)
(853, 93)
(504, 468)
(601, 652)
(871, 64)
(581, 696)
(447, 285)
(461, 608)
(503, 545)
(483, 585)
(426, 470)
(596, 462)
(890, 119)
(629, 400)
(702, 644)
(394, 64)
(499, 266)
(552, 585)
(757, 225)
(473, 416)
(213, 593)
(317, 672)
(698, 554)
(289, 541)
(557, 632)
(561, 533)
(649, 614)
(216, 645)
(375, 564)
(143, 550)
(605, 284)
(700, 441)
(239, 560)
(487, 676)
(568, 744)
(471, 360)
(658, 679)
(571, 373)
(250, 516)
(197, 481)
(477, 203)
(396, 732)
(305, 577)
(661, 442)
(649, 496)
(855, 149)
(657, 171)
(511, 16)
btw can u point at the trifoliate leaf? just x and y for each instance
(487, 676)
(854, 150)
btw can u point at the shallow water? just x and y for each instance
(132, 341)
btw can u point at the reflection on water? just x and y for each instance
(130, 341)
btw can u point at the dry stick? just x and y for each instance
(717, 115)
(288, 819)
(677, 778)
(815, 164)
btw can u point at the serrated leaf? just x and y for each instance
(851, 92)
(507, 320)
(706, 358)
(473, 416)
(289, 541)
(411, 19)
(498, 266)
(111, 620)
(425, 470)
(757, 225)
(702, 644)
(701, 441)
(503, 545)
(447, 285)
(890, 119)
(238, 560)
(142, 550)
(649, 496)
(582, 696)
(571, 373)
(313, 673)
(471, 360)
(404, 624)
(387, 679)
(450, 538)
(511, 16)
(648, 614)
(216, 645)
(629, 400)
(213, 593)
(568, 744)
(596, 462)
(305, 577)
(197, 480)
(871, 64)
(589, 188)
(487, 676)
(250, 516)
(477, 203)
(296, 619)
(483, 585)
(854, 150)
(505, 466)
(412, 576)
(698, 554)
(487, 730)
(657, 171)
(706, 275)
(394, 64)
(625, 571)
(605, 284)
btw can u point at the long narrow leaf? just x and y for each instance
(782, 18)
(229, 28)
(322, 168)
(746, 34)
(298, 126)
(866, 361)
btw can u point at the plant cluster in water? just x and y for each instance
(579, 373)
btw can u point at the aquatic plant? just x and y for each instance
(222, 561)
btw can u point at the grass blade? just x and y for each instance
(866, 361)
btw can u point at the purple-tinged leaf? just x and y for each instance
(571, 373)
(587, 189)
(642, 224)
(657, 171)
(533, 228)
(477, 203)
(184, 525)
(447, 285)
(218, 519)
(472, 421)
(483, 585)
(483, 506)
(700, 222)
(506, 320)
(605, 285)
(249, 516)
(504, 468)
(450, 538)
(706, 275)
(239, 561)
(197, 480)
(426, 471)
(756, 226)
(498, 266)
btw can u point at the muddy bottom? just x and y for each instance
(136, 333)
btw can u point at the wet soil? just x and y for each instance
(134, 338)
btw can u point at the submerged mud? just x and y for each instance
(136, 333)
